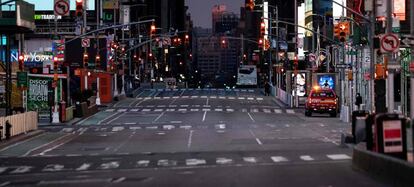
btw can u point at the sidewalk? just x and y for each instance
(4, 143)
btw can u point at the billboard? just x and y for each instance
(39, 96)
(247, 75)
(300, 84)
(326, 81)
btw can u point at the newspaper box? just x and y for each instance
(390, 135)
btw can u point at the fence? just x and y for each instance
(21, 123)
(285, 97)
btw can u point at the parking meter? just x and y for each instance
(390, 135)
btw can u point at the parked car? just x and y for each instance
(321, 100)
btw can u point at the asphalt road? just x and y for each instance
(187, 138)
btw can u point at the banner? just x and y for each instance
(39, 96)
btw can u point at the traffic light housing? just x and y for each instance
(21, 62)
(85, 60)
(55, 68)
(79, 8)
(260, 43)
(343, 31)
(250, 5)
(152, 30)
(380, 99)
(97, 61)
(186, 39)
(223, 42)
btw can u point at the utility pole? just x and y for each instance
(296, 54)
(390, 78)
(412, 60)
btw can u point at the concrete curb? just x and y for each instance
(21, 137)
(394, 171)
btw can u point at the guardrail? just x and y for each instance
(20, 123)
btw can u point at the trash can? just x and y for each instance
(359, 120)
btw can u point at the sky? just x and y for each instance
(201, 10)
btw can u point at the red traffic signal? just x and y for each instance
(97, 61)
(152, 31)
(21, 62)
(79, 8)
(262, 28)
(85, 60)
(250, 5)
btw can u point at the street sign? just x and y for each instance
(86, 42)
(390, 43)
(22, 79)
(343, 66)
(61, 7)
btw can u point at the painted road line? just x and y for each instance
(53, 167)
(168, 127)
(223, 161)
(306, 158)
(230, 110)
(3, 169)
(203, 97)
(190, 139)
(148, 97)
(58, 145)
(279, 159)
(67, 130)
(112, 115)
(250, 98)
(134, 110)
(185, 97)
(218, 109)
(172, 106)
(165, 163)
(254, 110)
(182, 110)
(278, 111)
(83, 167)
(195, 162)
(206, 109)
(166, 97)
(186, 127)
(150, 106)
(206, 102)
(146, 110)
(5, 183)
(157, 97)
(117, 129)
(290, 111)
(161, 106)
(204, 115)
(176, 122)
(255, 137)
(241, 98)
(192, 97)
(109, 165)
(122, 110)
(250, 159)
(130, 123)
(232, 98)
(259, 99)
(116, 118)
(207, 106)
(250, 117)
(251, 90)
(221, 97)
(158, 110)
(110, 110)
(213, 97)
(220, 126)
(151, 127)
(143, 163)
(175, 97)
(45, 145)
(22, 169)
(196, 105)
(244, 110)
(194, 110)
(184, 105)
(140, 102)
(170, 109)
(266, 110)
(134, 128)
(339, 157)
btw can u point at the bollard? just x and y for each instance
(8, 130)
(1, 131)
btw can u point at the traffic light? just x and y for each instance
(97, 61)
(186, 39)
(380, 99)
(223, 42)
(250, 5)
(55, 68)
(21, 62)
(262, 29)
(337, 30)
(79, 8)
(85, 60)
(343, 31)
(260, 43)
(152, 31)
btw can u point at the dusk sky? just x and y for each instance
(201, 9)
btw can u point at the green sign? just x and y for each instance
(22, 79)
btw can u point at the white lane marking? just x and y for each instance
(213, 97)
(244, 110)
(175, 97)
(251, 90)
(259, 99)
(339, 157)
(250, 98)
(148, 97)
(220, 126)
(204, 115)
(203, 97)
(190, 139)
(112, 115)
(134, 110)
(109, 165)
(3, 169)
(206, 109)
(182, 110)
(134, 128)
(5, 183)
(250, 159)
(195, 162)
(232, 98)
(172, 105)
(122, 110)
(278, 111)
(116, 118)
(266, 110)
(150, 106)
(161, 106)
(244, 90)
(168, 127)
(58, 145)
(175, 122)
(170, 109)
(184, 105)
(207, 102)
(118, 180)
(152, 127)
(250, 116)
(207, 106)
(230, 110)
(290, 111)
(130, 123)
(224, 160)
(143, 163)
(306, 158)
(196, 105)
(254, 110)
(287, 125)
(218, 109)
(117, 129)
(165, 162)
(67, 130)
(110, 110)
(157, 97)
(44, 145)
(279, 159)
(241, 98)
(195, 110)
(159, 110)
(185, 97)
(145, 110)
(156, 119)
(194, 97)
(161, 133)
(255, 137)
(185, 127)
(140, 102)
(221, 97)
(166, 97)
(21, 169)
(83, 167)
(53, 167)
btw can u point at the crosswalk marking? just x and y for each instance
(150, 106)
(3, 169)
(213, 97)
(250, 98)
(220, 126)
(206, 109)
(21, 169)
(110, 110)
(172, 106)
(218, 109)
(195, 110)
(168, 127)
(290, 111)
(134, 128)
(83, 167)
(259, 99)
(146, 110)
(195, 162)
(122, 110)
(166, 162)
(151, 127)
(67, 130)
(250, 159)
(185, 127)
(230, 110)
(224, 161)
(266, 111)
(117, 129)
(161, 106)
(278, 111)
(182, 110)
(130, 123)
(339, 157)
(255, 110)
(53, 167)
(166, 97)
(158, 110)
(221, 97)
(306, 158)
(241, 98)
(170, 109)
(232, 98)
(185, 97)
(143, 163)
(279, 159)
(184, 105)
(175, 122)
(203, 97)
(134, 110)
(109, 165)
(194, 97)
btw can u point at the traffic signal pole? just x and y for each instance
(412, 60)
(390, 78)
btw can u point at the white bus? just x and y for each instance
(247, 75)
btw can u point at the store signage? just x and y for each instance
(33, 57)
(46, 17)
